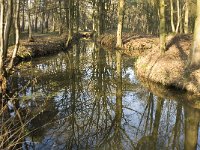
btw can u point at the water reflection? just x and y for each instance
(89, 98)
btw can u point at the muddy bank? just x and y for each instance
(43, 45)
(133, 44)
(169, 69)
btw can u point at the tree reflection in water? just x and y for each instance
(89, 98)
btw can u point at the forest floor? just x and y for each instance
(167, 69)
(42, 45)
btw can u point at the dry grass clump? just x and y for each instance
(169, 69)
(131, 41)
(42, 45)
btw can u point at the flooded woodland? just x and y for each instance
(90, 98)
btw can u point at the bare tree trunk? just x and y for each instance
(66, 14)
(71, 21)
(77, 16)
(178, 15)
(54, 24)
(194, 58)
(100, 5)
(60, 19)
(186, 16)
(30, 36)
(94, 16)
(47, 22)
(162, 27)
(36, 22)
(120, 23)
(16, 32)
(8, 26)
(172, 15)
(23, 16)
(2, 37)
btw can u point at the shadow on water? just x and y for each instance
(90, 98)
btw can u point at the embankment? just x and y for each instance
(167, 69)
(43, 45)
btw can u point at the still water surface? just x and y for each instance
(84, 99)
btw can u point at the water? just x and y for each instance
(84, 99)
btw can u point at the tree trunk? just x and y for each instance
(60, 19)
(77, 16)
(194, 58)
(42, 22)
(2, 37)
(71, 21)
(172, 15)
(36, 22)
(23, 16)
(54, 24)
(120, 23)
(162, 27)
(30, 36)
(29, 27)
(94, 16)
(100, 17)
(66, 14)
(186, 16)
(178, 15)
(16, 32)
(8, 26)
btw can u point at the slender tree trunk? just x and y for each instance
(30, 36)
(29, 27)
(172, 15)
(8, 26)
(54, 24)
(162, 27)
(42, 22)
(100, 17)
(94, 16)
(77, 16)
(36, 22)
(194, 58)
(23, 16)
(120, 23)
(60, 19)
(1, 37)
(178, 15)
(16, 32)
(47, 22)
(186, 16)
(71, 21)
(66, 14)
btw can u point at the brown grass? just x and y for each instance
(167, 69)
(42, 45)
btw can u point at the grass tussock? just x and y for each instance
(169, 69)
(42, 45)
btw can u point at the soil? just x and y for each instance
(167, 69)
(43, 45)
